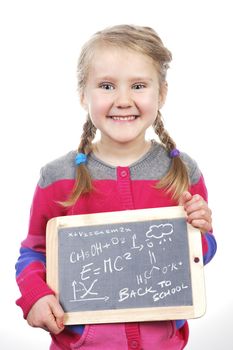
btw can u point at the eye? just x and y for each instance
(139, 86)
(106, 86)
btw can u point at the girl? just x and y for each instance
(122, 86)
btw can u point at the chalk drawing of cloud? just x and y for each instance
(159, 231)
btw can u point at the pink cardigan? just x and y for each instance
(115, 188)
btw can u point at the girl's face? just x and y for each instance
(122, 94)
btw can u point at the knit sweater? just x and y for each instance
(114, 189)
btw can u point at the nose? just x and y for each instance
(123, 99)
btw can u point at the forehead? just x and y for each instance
(114, 60)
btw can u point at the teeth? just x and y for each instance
(131, 117)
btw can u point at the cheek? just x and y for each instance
(98, 106)
(149, 103)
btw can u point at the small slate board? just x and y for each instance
(136, 265)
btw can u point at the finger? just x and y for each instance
(200, 215)
(204, 214)
(51, 325)
(196, 203)
(185, 197)
(202, 225)
(48, 324)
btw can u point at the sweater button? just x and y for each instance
(134, 344)
(124, 173)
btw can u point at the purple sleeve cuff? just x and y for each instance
(212, 247)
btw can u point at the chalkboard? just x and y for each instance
(136, 265)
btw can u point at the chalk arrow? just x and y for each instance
(74, 283)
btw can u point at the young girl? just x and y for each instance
(122, 86)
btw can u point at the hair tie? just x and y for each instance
(80, 158)
(174, 153)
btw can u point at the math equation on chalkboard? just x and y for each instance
(124, 265)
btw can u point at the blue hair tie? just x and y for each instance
(80, 158)
(174, 153)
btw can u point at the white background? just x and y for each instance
(41, 120)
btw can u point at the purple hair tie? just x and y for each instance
(174, 153)
(80, 158)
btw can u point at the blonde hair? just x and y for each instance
(146, 41)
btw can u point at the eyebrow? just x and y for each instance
(134, 79)
(141, 78)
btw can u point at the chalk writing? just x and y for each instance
(120, 229)
(138, 264)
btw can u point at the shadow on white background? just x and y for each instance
(41, 119)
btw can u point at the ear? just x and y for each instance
(163, 93)
(83, 100)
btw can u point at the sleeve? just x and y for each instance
(31, 264)
(198, 186)
(209, 245)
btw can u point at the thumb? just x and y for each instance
(185, 197)
(58, 314)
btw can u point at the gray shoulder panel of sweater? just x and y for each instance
(152, 166)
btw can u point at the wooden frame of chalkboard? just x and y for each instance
(136, 265)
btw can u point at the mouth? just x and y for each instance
(123, 118)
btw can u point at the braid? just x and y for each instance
(162, 133)
(83, 183)
(177, 179)
(88, 135)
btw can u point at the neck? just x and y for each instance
(120, 154)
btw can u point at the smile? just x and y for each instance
(124, 118)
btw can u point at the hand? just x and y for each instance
(47, 313)
(198, 212)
